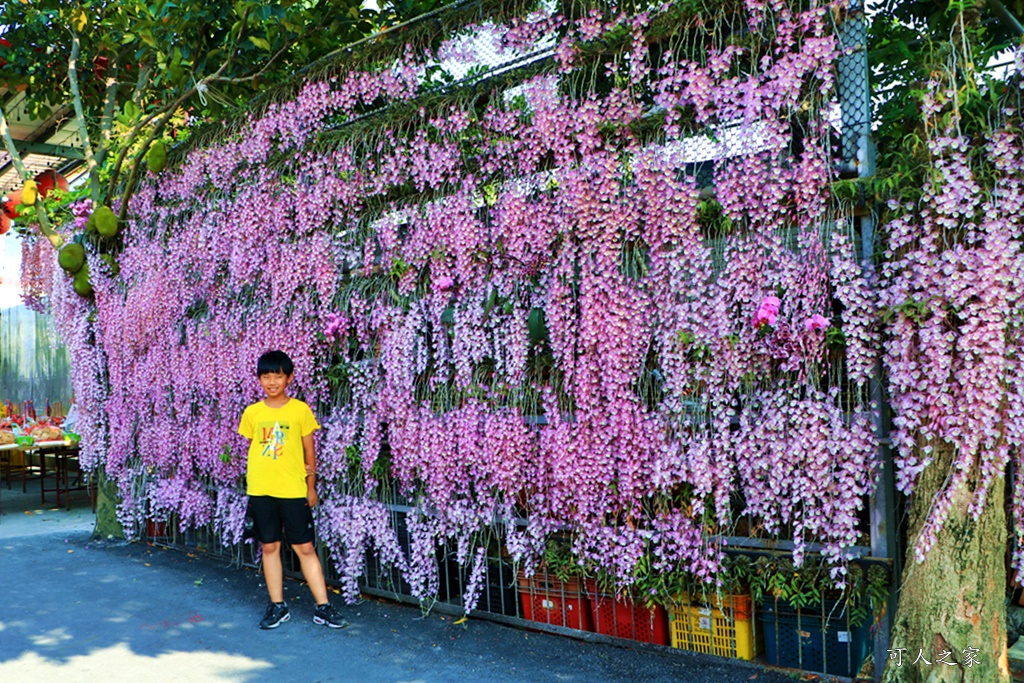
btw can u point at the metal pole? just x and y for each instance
(859, 157)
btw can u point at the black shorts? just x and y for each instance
(270, 515)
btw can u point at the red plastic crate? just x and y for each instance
(624, 618)
(551, 601)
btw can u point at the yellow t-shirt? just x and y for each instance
(276, 466)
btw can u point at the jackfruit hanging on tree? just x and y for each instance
(104, 221)
(156, 157)
(81, 283)
(71, 257)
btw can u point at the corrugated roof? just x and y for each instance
(51, 143)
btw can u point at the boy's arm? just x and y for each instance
(309, 455)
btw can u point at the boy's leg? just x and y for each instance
(312, 570)
(298, 527)
(267, 519)
(266, 514)
(273, 571)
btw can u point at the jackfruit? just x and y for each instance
(71, 257)
(29, 193)
(105, 221)
(81, 283)
(156, 158)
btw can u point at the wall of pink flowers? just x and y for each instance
(518, 312)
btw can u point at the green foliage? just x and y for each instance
(146, 68)
(355, 475)
(909, 41)
(811, 586)
(713, 220)
(835, 337)
(559, 559)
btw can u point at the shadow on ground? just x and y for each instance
(73, 609)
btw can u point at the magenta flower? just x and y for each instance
(768, 312)
(336, 326)
(443, 283)
(815, 323)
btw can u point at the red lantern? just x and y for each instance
(49, 179)
(5, 223)
(9, 210)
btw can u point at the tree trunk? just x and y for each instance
(107, 526)
(953, 602)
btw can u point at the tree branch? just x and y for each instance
(1004, 14)
(243, 79)
(167, 111)
(44, 220)
(134, 134)
(107, 117)
(83, 130)
(140, 82)
(133, 177)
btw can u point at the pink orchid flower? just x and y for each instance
(816, 323)
(768, 312)
(336, 324)
(443, 283)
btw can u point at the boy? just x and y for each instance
(281, 483)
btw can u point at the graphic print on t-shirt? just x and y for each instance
(271, 438)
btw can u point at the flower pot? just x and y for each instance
(155, 529)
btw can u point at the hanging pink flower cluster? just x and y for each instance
(954, 346)
(801, 461)
(507, 311)
(38, 267)
(76, 326)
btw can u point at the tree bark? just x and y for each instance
(107, 526)
(953, 601)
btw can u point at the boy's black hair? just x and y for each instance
(274, 361)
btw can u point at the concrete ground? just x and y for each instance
(73, 609)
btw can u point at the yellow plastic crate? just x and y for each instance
(706, 629)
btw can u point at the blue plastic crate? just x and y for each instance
(805, 641)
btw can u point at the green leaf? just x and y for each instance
(260, 42)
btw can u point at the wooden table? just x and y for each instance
(63, 455)
(6, 452)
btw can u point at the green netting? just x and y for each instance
(33, 365)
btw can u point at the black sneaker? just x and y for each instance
(275, 615)
(326, 614)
